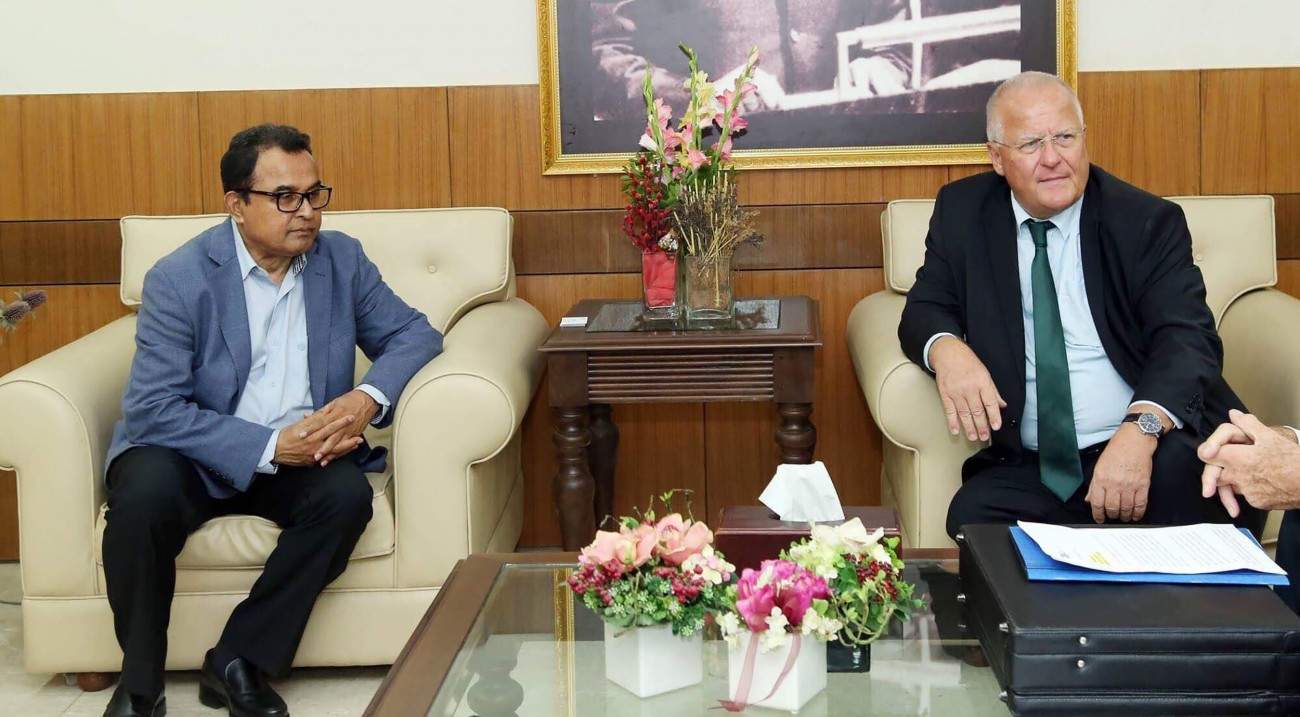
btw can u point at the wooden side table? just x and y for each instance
(766, 358)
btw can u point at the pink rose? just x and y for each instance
(631, 548)
(796, 596)
(754, 602)
(679, 540)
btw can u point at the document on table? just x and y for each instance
(1182, 550)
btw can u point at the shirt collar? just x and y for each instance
(246, 262)
(1063, 220)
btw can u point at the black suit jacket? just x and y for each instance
(1146, 296)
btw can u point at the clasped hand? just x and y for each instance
(324, 435)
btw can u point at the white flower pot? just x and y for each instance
(649, 661)
(806, 678)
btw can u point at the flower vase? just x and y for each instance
(707, 296)
(659, 285)
(648, 661)
(847, 658)
(806, 677)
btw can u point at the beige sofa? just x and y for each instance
(453, 485)
(1233, 243)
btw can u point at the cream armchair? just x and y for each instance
(453, 485)
(1233, 243)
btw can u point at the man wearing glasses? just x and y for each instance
(241, 400)
(1063, 318)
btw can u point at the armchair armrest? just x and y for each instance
(1261, 354)
(462, 408)
(62, 410)
(902, 396)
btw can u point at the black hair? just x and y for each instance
(240, 159)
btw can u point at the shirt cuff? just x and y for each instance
(264, 464)
(1178, 423)
(925, 354)
(1296, 431)
(380, 398)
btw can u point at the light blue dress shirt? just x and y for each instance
(1100, 395)
(278, 391)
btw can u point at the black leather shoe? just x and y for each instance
(125, 704)
(240, 688)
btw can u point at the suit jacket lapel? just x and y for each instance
(228, 287)
(318, 287)
(1090, 249)
(1000, 236)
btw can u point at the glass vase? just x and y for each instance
(659, 286)
(707, 297)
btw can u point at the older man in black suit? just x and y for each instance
(1062, 315)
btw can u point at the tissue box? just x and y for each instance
(750, 534)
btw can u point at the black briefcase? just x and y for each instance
(1073, 648)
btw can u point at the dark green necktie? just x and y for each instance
(1058, 448)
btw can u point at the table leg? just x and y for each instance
(602, 455)
(796, 436)
(573, 487)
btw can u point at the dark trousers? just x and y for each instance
(1288, 557)
(156, 499)
(1006, 493)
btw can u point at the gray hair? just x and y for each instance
(1024, 80)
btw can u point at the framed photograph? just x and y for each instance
(840, 83)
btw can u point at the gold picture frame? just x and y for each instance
(556, 161)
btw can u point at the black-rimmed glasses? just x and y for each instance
(290, 202)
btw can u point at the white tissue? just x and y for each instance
(802, 493)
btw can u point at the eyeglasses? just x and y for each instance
(1062, 140)
(289, 202)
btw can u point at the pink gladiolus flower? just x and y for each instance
(696, 158)
(724, 148)
(648, 142)
(679, 540)
(738, 123)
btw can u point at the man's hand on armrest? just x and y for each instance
(971, 401)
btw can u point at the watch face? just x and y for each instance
(1150, 423)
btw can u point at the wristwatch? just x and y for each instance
(1148, 423)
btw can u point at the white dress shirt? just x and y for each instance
(278, 391)
(1100, 396)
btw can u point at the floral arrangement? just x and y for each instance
(698, 191)
(863, 575)
(654, 571)
(13, 313)
(777, 600)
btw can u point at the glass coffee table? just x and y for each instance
(506, 637)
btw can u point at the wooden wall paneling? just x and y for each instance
(661, 446)
(81, 252)
(795, 237)
(71, 312)
(12, 174)
(960, 171)
(1286, 215)
(741, 452)
(101, 156)
(1145, 127)
(378, 148)
(8, 515)
(841, 185)
(1288, 276)
(496, 157)
(1251, 133)
(46, 185)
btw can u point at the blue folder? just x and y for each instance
(1039, 566)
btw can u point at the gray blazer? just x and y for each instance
(193, 352)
